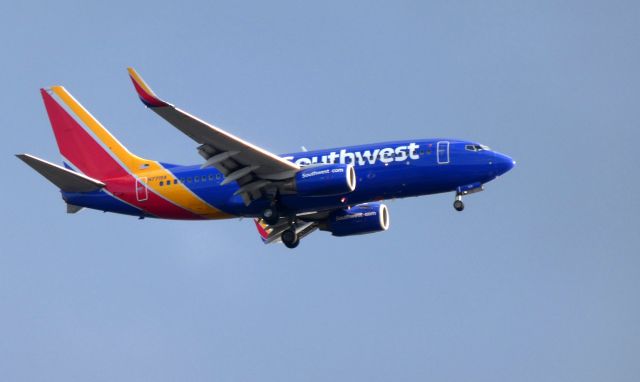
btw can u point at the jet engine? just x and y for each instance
(357, 220)
(324, 180)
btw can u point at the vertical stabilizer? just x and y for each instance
(83, 141)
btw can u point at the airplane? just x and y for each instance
(289, 196)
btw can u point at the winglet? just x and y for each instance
(147, 96)
(262, 230)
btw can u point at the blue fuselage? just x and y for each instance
(384, 171)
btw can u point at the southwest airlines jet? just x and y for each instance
(289, 196)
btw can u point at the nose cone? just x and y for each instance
(502, 163)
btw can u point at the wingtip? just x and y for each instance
(264, 235)
(146, 95)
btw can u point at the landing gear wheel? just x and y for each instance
(290, 238)
(271, 215)
(458, 205)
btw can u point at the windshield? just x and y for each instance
(477, 148)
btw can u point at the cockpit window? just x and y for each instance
(477, 148)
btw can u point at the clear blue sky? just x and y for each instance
(537, 280)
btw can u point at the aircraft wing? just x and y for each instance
(252, 167)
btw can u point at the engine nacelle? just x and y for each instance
(325, 180)
(358, 220)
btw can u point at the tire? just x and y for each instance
(293, 245)
(458, 205)
(271, 215)
(290, 238)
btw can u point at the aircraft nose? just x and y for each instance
(502, 163)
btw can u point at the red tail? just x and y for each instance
(83, 141)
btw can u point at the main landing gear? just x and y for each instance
(458, 204)
(271, 214)
(290, 238)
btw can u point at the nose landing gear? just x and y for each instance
(465, 190)
(458, 204)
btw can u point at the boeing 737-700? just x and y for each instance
(289, 196)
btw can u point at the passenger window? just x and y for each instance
(175, 181)
(196, 179)
(204, 178)
(161, 183)
(217, 176)
(189, 180)
(211, 177)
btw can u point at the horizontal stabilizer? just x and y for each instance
(72, 208)
(65, 179)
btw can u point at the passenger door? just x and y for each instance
(442, 151)
(142, 193)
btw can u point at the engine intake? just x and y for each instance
(325, 180)
(358, 220)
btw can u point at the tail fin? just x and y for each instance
(83, 141)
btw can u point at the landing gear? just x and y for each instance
(290, 238)
(271, 215)
(466, 190)
(458, 204)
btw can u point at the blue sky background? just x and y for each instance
(537, 280)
